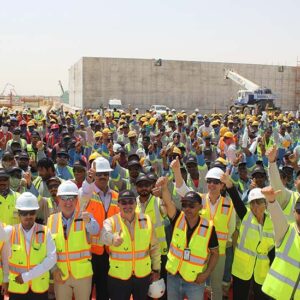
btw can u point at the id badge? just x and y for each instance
(186, 254)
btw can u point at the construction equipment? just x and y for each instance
(252, 96)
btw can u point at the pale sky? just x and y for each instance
(40, 40)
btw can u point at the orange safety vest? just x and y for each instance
(96, 208)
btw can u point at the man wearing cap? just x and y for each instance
(123, 136)
(193, 252)
(282, 281)
(36, 148)
(30, 253)
(102, 203)
(71, 227)
(53, 137)
(5, 136)
(16, 138)
(79, 171)
(8, 160)
(62, 169)
(130, 238)
(132, 146)
(216, 209)
(255, 251)
(230, 148)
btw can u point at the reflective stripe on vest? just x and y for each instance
(198, 246)
(282, 281)
(132, 256)
(289, 209)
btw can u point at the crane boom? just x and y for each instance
(242, 81)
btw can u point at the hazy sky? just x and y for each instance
(40, 40)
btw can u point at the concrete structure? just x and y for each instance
(177, 84)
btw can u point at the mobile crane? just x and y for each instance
(252, 96)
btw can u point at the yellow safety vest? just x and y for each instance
(73, 253)
(152, 210)
(289, 209)
(8, 212)
(132, 256)
(282, 280)
(21, 262)
(251, 253)
(198, 247)
(220, 219)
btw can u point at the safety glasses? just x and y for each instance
(25, 213)
(213, 181)
(68, 198)
(105, 174)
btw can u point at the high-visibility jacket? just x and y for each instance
(96, 207)
(152, 210)
(190, 267)
(20, 262)
(220, 219)
(31, 152)
(132, 257)
(22, 143)
(251, 253)
(8, 212)
(289, 209)
(73, 252)
(282, 280)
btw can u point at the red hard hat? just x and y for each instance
(54, 126)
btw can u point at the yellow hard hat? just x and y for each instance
(94, 155)
(98, 134)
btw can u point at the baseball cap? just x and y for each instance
(126, 194)
(191, 159)
(192, 197)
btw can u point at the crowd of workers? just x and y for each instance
(148, 205)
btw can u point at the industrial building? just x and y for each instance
(177, 84)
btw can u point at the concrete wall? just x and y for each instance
(177, 84)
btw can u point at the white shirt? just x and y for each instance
(48, 262)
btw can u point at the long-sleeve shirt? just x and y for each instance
(107, 236)
(48, 262)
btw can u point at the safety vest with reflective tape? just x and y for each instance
(289, 209)
(220, 219)
(8, 212)
(132, 257)
(282, 281)
(20, 262)
(251, 252)
(73, 253)
(96, 207)
(152, 210)
(198, 246)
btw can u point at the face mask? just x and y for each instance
(15, 182)
(4, 129)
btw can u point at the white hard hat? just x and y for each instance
(27, 201)
(136, 108)
(116, 147)
(67, 188)
(196, 110)
(102, 165)
(173, 110)
(157, 289)
(215, 173)
(255, 194)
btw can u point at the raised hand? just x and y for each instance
(225, 178)
(175, 164)
(118, 240)
(270, 193)
(272, 154)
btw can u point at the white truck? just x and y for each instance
(252, 96)
(115, 103)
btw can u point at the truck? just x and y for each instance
(252, 96)
(115, 103)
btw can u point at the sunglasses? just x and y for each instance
(259, 201)
(25, 213)
(99, 174)
(127, 202)
(212, 180)
(70, 198)
(188, 205)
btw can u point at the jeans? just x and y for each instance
(178, 289)
(228, 265)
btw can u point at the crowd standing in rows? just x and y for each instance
(148, 205)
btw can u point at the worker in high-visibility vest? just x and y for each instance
(283, 279)
(255, 251)
(134, 251)
(193, 252)
(219, 211)
(102, 202)
(70, 229)
(31, 253)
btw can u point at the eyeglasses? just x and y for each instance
(127, 202)
(70, 198)
(24, 213)
(212, 180)
(188, 205)
(259, 201)
(99, 174)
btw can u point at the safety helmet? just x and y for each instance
(67, 188)
(215, 173)
(27, 201)
(102, 165)
(157, 289)
(255, 194)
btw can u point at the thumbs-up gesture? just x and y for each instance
(225, 178)
(175, 164)
(117, 239)
(270, 193)
(272, 154)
